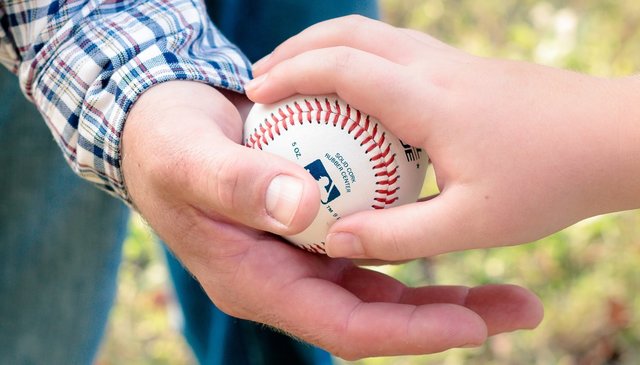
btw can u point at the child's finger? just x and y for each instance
(372, 84)
(423, 229)
(351, 31)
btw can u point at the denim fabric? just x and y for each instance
(60, 241)
(257, 27)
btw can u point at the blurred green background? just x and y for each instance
(587, 275)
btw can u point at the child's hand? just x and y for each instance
(519, 150)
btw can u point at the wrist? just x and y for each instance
(623, 134)
(612, 147)
(589, 130)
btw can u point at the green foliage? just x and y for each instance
(143, 324)
(597, 37)
(586, 275)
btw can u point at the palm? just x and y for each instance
(352, 311)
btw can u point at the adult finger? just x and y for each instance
(370, 83)
(301, 294)
(349, 327)
(406, 321)
(353, 31)
(349, 311)
(503, 308)
(255, 188)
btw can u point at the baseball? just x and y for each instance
(357, 163)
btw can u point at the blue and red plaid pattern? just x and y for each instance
(84, 63)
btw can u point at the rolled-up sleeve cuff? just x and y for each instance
(104, 114)
(84, 64)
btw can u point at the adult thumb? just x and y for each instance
(258, 189)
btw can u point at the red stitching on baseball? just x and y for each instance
(288, 116)
(374, 133)
(357, 122)
(320, 109)
(360, 131)
(366, 140)
(382, 140)
(382, 155)
(388, 191)
(299, 114)
(269, 128)
(386, 201)
(354, 122)
(336, 116)
(315, 248)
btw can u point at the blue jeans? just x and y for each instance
(60, 238)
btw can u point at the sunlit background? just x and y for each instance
(587, 275)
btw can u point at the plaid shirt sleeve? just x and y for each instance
(84, 63)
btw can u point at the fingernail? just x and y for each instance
(255, 83)
(344, 245)
(283, 198)
(261, 62)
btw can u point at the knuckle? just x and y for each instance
(399, 249)
(387, 245)
(342, 59)
(354, 21)
(280, 74)
(224, 183)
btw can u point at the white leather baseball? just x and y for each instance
(358, 164)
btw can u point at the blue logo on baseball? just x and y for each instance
(319, 172)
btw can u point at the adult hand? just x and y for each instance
(211, 199)
(519, 150)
